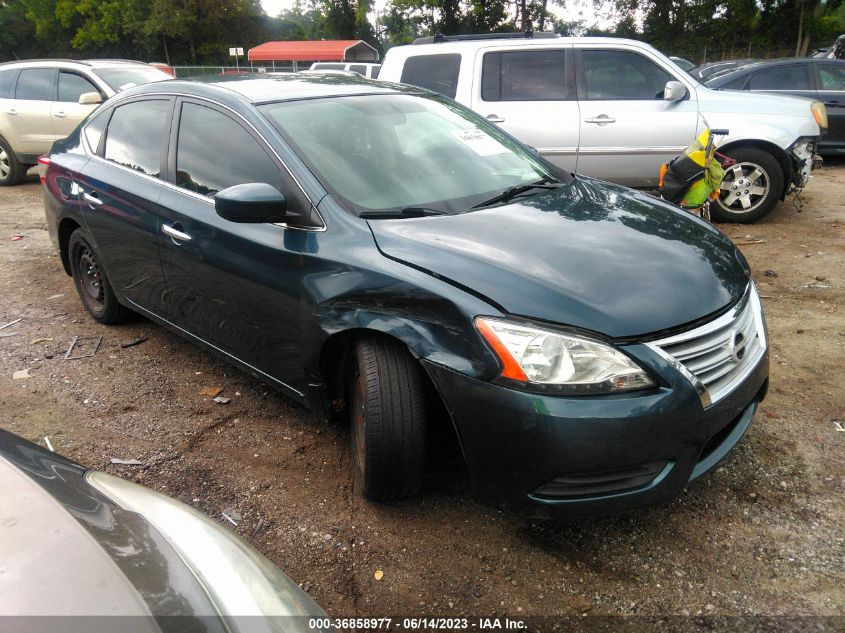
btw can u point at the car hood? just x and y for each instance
(588, 254)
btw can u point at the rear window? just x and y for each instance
(7, 80)
(435, 72)
(359, 68)
(329, 67)
(36, 84)
(524, 76)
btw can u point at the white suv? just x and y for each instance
(42, 101)
(617, 110)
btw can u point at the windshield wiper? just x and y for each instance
(510, 192)
(406, 212)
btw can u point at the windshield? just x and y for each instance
(122, 78)
(382, 153)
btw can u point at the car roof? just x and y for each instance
(269, 88)
(742, 71)
(544, 42)
(90, 63)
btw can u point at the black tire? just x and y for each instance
(91, 282)
(388, 419)
(756, 169)
(11, 171)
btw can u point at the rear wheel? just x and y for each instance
(11, 171)
(750, 189)
(387, 403)
(91, 282)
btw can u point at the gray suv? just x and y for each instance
(42, 101)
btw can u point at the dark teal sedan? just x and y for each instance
(382, 254)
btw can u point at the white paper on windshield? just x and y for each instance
(479, 142)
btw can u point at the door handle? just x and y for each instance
(600, 119)
(60, 114)
(91, 199)
(175, 233)
(495, 118)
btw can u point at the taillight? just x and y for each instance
(45, 162)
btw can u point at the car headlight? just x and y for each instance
(819, 114)
(570, 364)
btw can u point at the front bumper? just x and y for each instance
(804, 159)
(594, 455)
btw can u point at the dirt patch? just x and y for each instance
(762, 534)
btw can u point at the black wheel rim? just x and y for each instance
(90, 278)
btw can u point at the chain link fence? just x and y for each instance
(196, 71)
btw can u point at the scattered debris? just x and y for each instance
(232, 516)
(580, 603)
(49, 445)
(134, 342)
(21, 374)
(378, 575)
(48, 355)
(50, 298)
(749, 242)
(819, 277)
(81, 341)
(126, 462)
(10, 323)
(211, 391)
(257, 528)
(43, 339)
(8, 334)
(839, 427)
(222, 400)
(771, 273)
(17, 238)
(816, 284)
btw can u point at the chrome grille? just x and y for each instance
(720, 354)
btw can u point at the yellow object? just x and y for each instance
(378, 575)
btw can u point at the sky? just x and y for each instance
(574, 10)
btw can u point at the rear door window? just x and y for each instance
(329, 66)
(214, 152)
(73, 86)
(136, 134)
(359, 68)
(524, 76)
(7, 80)
(622, 75)
(790, 77)
(435, 72)
(37, 84)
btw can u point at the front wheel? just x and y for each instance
(750, 189)
(387, 403)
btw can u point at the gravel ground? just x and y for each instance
(762, 535)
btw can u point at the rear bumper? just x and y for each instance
(593, 455)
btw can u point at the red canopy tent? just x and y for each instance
(314, 51)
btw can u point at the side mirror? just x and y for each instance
(674, 91)
(252, 203)
(90, 98)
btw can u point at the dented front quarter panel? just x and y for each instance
(347, 285)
